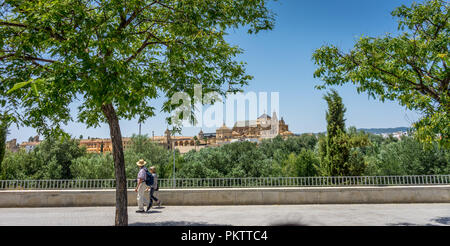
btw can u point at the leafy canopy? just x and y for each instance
(123, 53)
(411, 68)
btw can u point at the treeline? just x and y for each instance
(297, 156)
(301, 157)
(63, 158)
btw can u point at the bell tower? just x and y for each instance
(168, 139)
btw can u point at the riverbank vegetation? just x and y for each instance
(297, 156)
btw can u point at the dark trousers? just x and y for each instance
(152, 190)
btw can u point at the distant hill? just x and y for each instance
(384, 130)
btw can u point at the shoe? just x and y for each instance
(140, 211)
(159, 203)
(148, 208)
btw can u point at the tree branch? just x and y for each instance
(6, 56)
(421, 86)
(48, 29)
(144, 45)
(125, 22)
(4, 23)
(38, 59)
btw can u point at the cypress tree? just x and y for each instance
(337, 141)
(335, 114)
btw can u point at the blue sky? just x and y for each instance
(280, 61)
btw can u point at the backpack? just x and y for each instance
(149, 178)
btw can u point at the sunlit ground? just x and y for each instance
(309, 215)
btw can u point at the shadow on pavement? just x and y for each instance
(149, 212)
(174, 223)
(442, 220)
(153, 212)
(409, 224)
(289, 224)
(439, 220)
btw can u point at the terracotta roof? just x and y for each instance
(30, 144)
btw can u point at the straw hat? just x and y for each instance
(141, 162)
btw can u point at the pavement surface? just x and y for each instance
(309, 215)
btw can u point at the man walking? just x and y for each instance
(153, 188)
(141, 186)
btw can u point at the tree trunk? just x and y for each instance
(3, 131)
(119, 165)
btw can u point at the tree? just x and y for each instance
(409, 157)
(359, 139)
(5, 121)
(22, 165)
(337, 150)
(93, 166)
(279, 148)
(239, 159)
(301, 165)
(335, 114)
(196, 142)
(57, 155)
(154, 154)
(411, 68)
(51, 159)
(117, 55)
(3, 135)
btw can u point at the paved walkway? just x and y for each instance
(313, 215)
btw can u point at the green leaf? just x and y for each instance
(18, 86)
(35, 89)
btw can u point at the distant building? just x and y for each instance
(224, 133)
(253, 131)
(30, 145)
(397, 135)
(12, 145)
(98, 145)
(261, 128)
